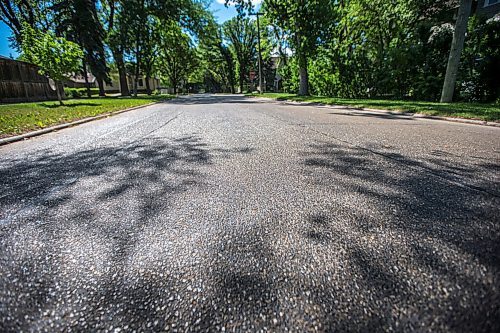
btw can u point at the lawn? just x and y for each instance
(24, 117)
(487, 112)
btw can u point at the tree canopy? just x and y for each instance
(344, 48)
(56, 56)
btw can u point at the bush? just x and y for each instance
(79, 92)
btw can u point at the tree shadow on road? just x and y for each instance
(423, 247)
(369, 114)
(216, 99)
(72, 226)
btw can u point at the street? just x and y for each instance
(230, 213)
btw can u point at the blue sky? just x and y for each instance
(220, 11)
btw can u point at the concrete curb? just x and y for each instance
(402, 113)
(28, 135)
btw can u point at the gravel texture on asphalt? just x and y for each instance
(233, 214)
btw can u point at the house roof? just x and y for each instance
(78, 78)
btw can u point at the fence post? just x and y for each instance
(22, 80)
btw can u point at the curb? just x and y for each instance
(400, 113)
(28, 135)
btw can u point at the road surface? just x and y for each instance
(226, 213)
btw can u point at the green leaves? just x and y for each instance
(56, 56)
(177, 57)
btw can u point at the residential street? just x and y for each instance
(220, 212)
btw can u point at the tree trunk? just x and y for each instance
(136, 84)
(59, 98)
(100, 83)
(85, 75)
(242, 77)
(303, 75)
(148, 86)
(231, 79)
(137, 60)
(118, 56)
(136, 77)
(456, 50)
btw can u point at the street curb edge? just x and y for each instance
(403, 113)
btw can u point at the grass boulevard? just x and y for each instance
(480, 111)
(20, 118)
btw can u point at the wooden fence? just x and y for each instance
(21, 82)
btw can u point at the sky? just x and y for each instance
(221, 12)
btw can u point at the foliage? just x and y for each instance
(479, 78)
(34, 13)
(345, 48)
(307, 25)
(79, 92)
(55, 56)
(241, 34)
(216, 66)
(79, 22)
(389, 49)
(177, 56)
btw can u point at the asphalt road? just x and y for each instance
(225, 213)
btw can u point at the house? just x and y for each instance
(114, 86)
(78, 81)
(483, 8)
(488, 8)
(21, 82)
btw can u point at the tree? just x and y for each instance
(306, 22)
(241, 33)
(456, 50)
(78, 21)
(56, 56)
(177, 56)
(216, 59)
(15, 14)
(150, 49)
(117, 39)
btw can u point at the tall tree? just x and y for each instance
(216, 59)
(456, 51)
(78, 21)
(150, 49)
(117, 38)
(34, 13)
(177, 56)
(241, 33)
(306, 22)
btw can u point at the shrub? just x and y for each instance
(79, 92)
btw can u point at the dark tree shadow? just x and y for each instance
(60, 242)
(67, 105)
(216, 99)
(426, 214)
(371, 114)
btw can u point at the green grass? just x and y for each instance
(482, 111)
(24, 117)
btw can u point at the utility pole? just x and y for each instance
(456, 50)
(261, 88)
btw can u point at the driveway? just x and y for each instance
(226, 213)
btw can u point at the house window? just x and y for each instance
(140, 82)
(490, 2)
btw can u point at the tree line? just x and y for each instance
(133, 37)
(343, 48)
(408, 49)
